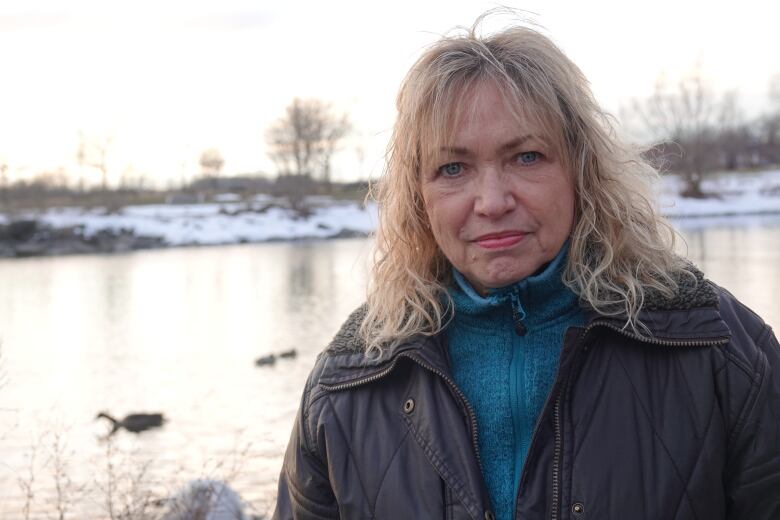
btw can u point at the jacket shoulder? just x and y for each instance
(751, 361)
(343, 360)
(753, 473)
(347, 360)
(344, 354)
(750, 334)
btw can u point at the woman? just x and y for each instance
(531, 346)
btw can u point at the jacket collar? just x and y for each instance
(690, 317)
(345, 359)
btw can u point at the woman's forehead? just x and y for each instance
(463, 120)
(461, 105)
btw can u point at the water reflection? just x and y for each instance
(177, 331)
(174, 331)
(743, 255)
(300, 279)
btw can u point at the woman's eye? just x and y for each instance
(528, 157)
(451, 169)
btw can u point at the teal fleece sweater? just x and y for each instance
(504, 350)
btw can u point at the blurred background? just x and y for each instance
(132, 132)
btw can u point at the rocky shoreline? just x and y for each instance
(24, 238)
(29, 237)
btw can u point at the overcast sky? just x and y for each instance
(168, 78)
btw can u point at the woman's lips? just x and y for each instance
(499, 240)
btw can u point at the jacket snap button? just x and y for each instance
(409, 406)
(578, 508)
(489, 515)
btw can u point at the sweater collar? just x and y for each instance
(541, 297)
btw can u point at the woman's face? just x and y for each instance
(499, 204)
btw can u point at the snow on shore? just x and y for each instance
(208, 224)
(736, 194)
(741, 194)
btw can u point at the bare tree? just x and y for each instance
(686, 115)
(81, 159)
(3, 376)
(27, 483)
(770, 124)
(303, 142)
(732, 132)
(4, 185)
(774, 91)
(93, 152)
(334, 134)
(211, 162)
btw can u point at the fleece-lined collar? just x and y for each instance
(696, 301)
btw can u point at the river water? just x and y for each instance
(177, 331)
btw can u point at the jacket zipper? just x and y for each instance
(656, 341)
(352, 384)
(558, 446)
(379, 375)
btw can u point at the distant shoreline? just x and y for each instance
(67, 241)
(67, 231)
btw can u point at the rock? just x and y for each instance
(349, 233)
(205, 499)
(22, 230)
(6, 251)
(31, 249)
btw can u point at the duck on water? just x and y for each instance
(134, 422)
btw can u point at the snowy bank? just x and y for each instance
(76, 230)
(209, 224)
(752, 193)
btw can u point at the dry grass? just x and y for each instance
(123, 486)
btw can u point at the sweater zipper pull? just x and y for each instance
(518, 315)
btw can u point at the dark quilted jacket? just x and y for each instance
(685, 425)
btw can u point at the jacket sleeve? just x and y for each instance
(753, 472)
(304, 488)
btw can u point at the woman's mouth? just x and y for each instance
(499, 240)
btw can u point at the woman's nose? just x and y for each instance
(494, 196)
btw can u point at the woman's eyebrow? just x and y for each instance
(455, 150)
(514, 143)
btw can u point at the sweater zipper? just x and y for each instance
(379, 375)
(558, 446)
